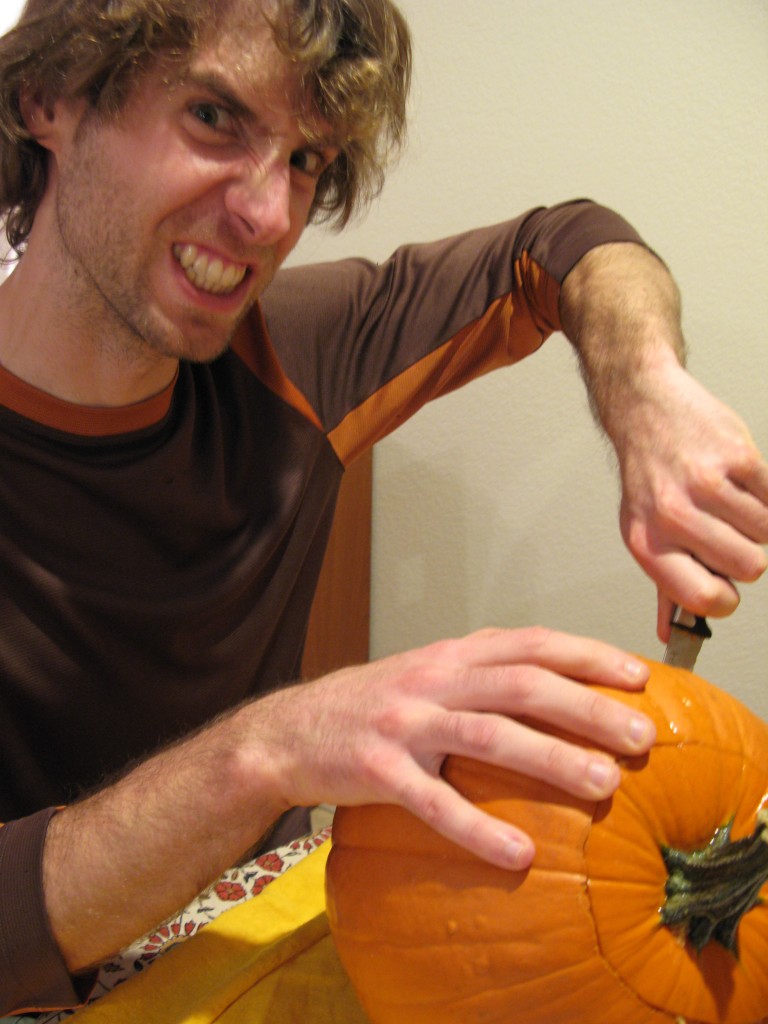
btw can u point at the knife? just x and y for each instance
(688, 633)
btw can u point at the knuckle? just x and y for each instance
(423, 676)
(636, 537)
(449, 650)
(377, 765)
(595, 708)
(427, 806)
(672, 510)
(700, 598)
(392, 721)
(755, 567)
(711, 480)
(474, 832)
(712, 597)
(523, 683)
(487, 633)
(535, 640)
(375, 770)
(746, 456)
(555, 759)
(538, 637)
(481, 735)
(457, 650)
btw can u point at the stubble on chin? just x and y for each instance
(114, 311)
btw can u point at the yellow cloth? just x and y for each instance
(270, 960)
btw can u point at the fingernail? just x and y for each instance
(634, 669)
(600, 772)
(517, 854)
(640, 731)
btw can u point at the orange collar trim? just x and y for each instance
(86, 420)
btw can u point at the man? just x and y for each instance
(171, 453)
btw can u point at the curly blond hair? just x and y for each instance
(353, 56)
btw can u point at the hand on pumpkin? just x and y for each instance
(380, 733)
(695, 497)
(115, 862)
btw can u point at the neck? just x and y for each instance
(48, 341)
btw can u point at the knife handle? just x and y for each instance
(691, 623)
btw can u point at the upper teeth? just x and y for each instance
(210, 275)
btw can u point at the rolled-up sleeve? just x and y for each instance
(33, 974)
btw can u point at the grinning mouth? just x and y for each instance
(209, 275)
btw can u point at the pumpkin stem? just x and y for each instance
(709, 890)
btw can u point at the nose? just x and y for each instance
(259, 201)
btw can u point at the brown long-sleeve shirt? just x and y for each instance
(158, 562)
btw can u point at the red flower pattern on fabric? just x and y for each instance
(261, 883)
(270, 862)
(229, 891)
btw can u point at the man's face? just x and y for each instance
(174, 217)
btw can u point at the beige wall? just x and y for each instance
(498, 505)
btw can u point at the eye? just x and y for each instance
(309, 161)
(213, 117)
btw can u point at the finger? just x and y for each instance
(720, 547)
(686, 582)
(741, 508)
(586, 773)
(666, 609)
(488, 729)
(438, 805)
(700, 530)
(752, 475)
(680, 576)
(583, 772)
(580, 658)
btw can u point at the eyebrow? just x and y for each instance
(219, 86)
(215, 83)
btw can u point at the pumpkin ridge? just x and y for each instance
(624, 883)
(624, 985)
(608, 966)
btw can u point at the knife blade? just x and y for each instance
(688, 633)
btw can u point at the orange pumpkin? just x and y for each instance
(606, 925)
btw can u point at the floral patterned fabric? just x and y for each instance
(235, 886)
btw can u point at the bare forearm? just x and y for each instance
(694, 506)
(126, 858)
(620, 308)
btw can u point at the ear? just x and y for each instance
(36, 114)
(49, 122)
